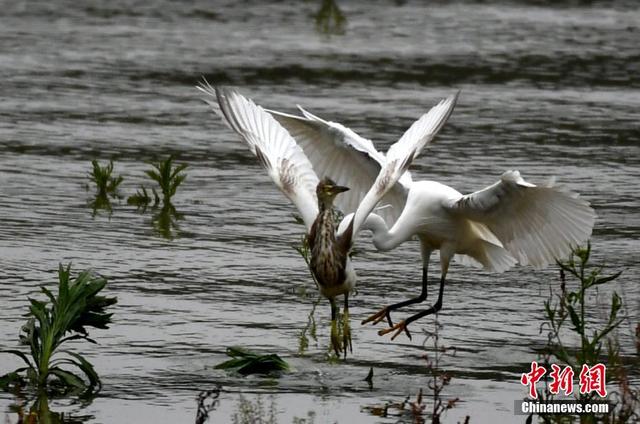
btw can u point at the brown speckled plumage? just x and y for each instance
(328, 253)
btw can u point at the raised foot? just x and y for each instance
(379, 316)
(398, 328)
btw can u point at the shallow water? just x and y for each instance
(551, 91)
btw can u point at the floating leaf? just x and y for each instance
(246, 362)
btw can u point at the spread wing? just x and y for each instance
(338, 152)
(425, 128)
(536, 224)
(401, 154)
(276, 150)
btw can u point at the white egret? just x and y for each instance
(295, 176)
(509, 222)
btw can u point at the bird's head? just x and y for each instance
(327, 190)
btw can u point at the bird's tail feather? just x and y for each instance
(488, 255)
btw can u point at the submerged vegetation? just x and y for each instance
(142, 199)
(245, 362)
(165, 174)
(329, 18)
(168, 178)
(63, 318)
(106, 186)
(566, 312)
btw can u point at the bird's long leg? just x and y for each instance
(346, 328)
(402, 325)
(335, 340)
(386, 311)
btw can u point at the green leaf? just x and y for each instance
(11, 379)
(87, 369)
(603, 280)
(616, 304)
(19, 354)
(575, 320)
(67, 378)
(246, 362)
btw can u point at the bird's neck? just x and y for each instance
(383, 239)
(325, 220)
(325, 205)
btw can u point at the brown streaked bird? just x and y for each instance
(293, 173)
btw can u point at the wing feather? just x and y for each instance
(337, 152)
(536, 224)
(401, 154)
(421, 132)
(274, 147)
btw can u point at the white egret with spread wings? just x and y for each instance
(509, 222)
(294, 174)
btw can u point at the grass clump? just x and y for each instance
(168, 177)
(245, 362)
(106, 184)
(64, 317)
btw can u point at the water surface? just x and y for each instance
(551, 91)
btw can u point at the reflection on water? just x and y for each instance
(547, 89)
(207, 401)
(36, 410)
(329, 18)
(100, 202)
(165, 220)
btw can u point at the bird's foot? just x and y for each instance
(379, 316)
(398, 328)
(335, 338)
(346, 333)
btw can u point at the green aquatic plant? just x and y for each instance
(565, 313)
(168, 177)
(329, 18)
(142, 198)
(106, 184)
(310, 330)
(63, 318)
(245, 362)
(572, 305)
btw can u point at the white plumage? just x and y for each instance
(336, 157)
(509, 222)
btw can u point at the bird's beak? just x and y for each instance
(340, 189)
